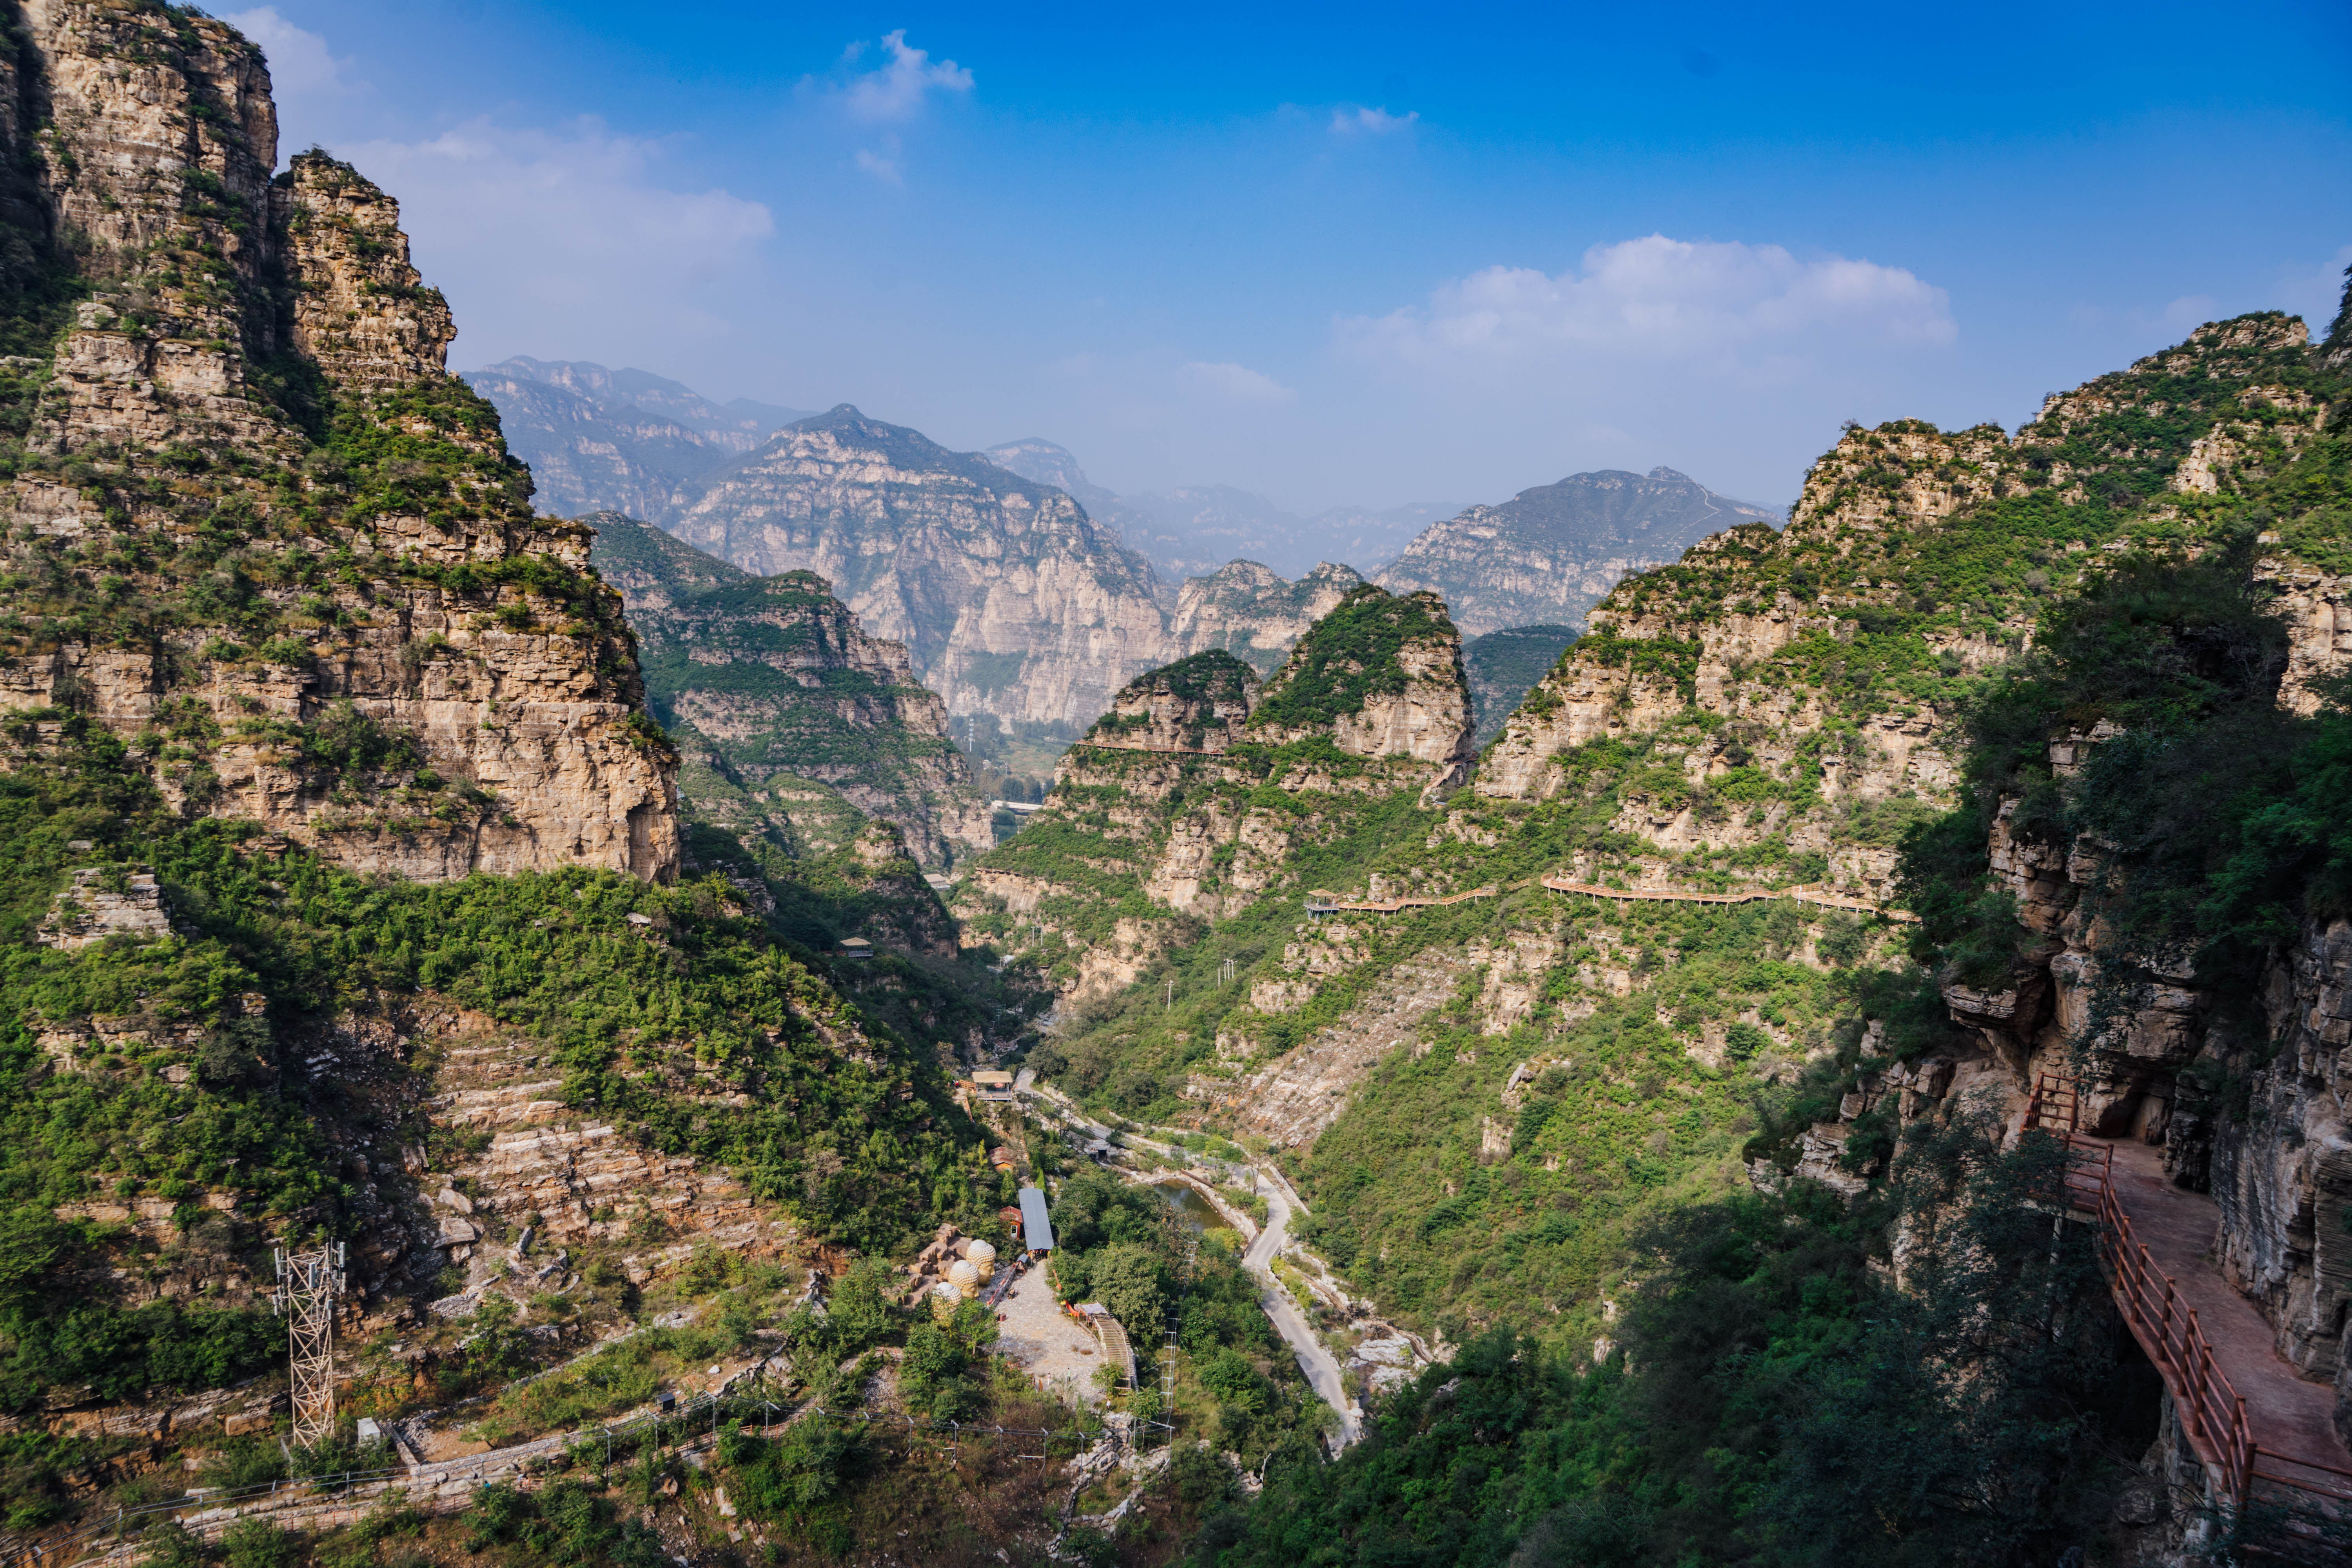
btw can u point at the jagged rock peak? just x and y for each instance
(362, 313)
(1247, 609)
(319, 558)
(1381, 675)
(1199, 703)
(1009, 599)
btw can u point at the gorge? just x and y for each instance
(589, 927)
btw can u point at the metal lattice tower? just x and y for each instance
(307, 1285)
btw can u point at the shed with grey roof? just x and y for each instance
(1036, 1228)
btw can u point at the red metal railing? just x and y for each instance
(2212, 1412)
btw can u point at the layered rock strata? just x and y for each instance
(775, 679)
(1009, 598)
(254, 503)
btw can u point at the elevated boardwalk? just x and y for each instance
(1391, 906)
(2265, 1436)
(1804, 893)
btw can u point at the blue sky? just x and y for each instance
(1358, 256)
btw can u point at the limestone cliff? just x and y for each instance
(1202, 788)
(259, 531)
(1009, 598)
(1550, 554)
(773, 679)
(1814, 671)
(1250, 613)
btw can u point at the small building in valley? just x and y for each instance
(1036, 1227)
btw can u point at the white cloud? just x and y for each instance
(554, 232)
(882, 166)
(1357, 121)
(1235, 382)
(899, 88)
(1661, 299)
(298, 61)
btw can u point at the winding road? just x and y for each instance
(1321, 1368)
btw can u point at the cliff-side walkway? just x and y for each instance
(2291, 1421)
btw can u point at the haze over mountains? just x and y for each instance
(1195, 528)
(1024, 591)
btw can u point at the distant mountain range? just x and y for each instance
(1023, 589)
(1193, 529)
(618, 440)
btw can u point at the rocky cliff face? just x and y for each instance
(618, 440)
(1814, 670)
(1550, 554)
(1250, 613)
(773, 682)
(1197, 704)
(1166, 796)
(259, 531)
(1010, 601)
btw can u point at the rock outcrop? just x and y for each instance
(1550, 554)
(1248, 611)
(1197, 704)
(1009, 599)
(1166, 797)
(262, 534)
(775, 681)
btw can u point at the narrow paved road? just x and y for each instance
(1322, 1371)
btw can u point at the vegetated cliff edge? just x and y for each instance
(1488, 1104)
(286, 657)
(250, 501)
(772, 679)
(1141, 837)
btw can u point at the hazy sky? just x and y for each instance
(1364, 256)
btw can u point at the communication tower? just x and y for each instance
(307, 1285)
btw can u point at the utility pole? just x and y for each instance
(307, 1285)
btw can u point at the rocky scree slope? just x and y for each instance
(245, 499)
(1549, 555)
(289, 666)
(771, 682)
(1142, 838)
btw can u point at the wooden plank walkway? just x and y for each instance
(1391, 906)
(1804, 893)
(2292, 1422)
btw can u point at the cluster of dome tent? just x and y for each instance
(963, 1267)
